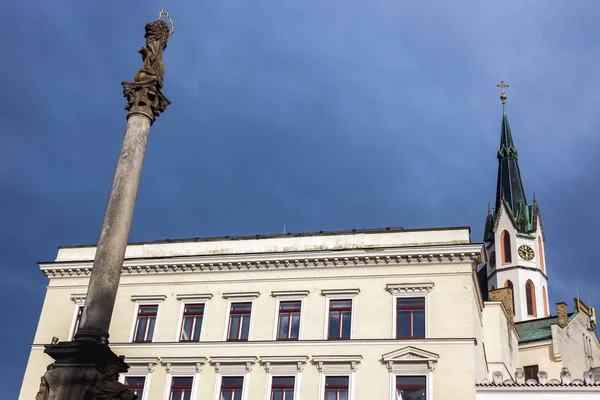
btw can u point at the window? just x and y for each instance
(340, 319)
(410, 318)
(146, 321)
(78, 321)
(336, 388)
(531, 372)
(530, 298)
(509, 284)
(541, 253)
(288, 327)
(136, 385)
(231, 388)
(191, 325)
(411, 387)
(181, 388)
(505, 243)
(282, 388)
(239, 321)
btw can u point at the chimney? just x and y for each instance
(563, 316)
(505, 296)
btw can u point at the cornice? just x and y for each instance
(193, 296)
(169, 362)
(442, 254)
(401, 288)
(290, 293)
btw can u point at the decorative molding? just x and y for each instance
(148, 297)
(197, 362)
(352, 361)
(237, 295)
(345, 258)
(289, 293)
(151, 362)
(299, 361)
(78, 299)
(412, 355)
(247, 362)
(403, 288)
(193, 297)
(340, 292)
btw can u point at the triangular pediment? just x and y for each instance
(410, 354)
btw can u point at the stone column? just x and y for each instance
(86, 368)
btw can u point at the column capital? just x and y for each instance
(144, 98)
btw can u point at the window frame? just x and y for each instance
(395, 298)
(284, 296)
(187, 299)
(136, 319)
(182, 317)
(231, 374)
(76, 320)
(182, 374)
(271, 375)
(145, 300)
(145, 389)
(323, 380)
(277, 314)
(244, 297)
(395, 325)
(228, 322)
(394, 375)
(530, 289)
(328, 318)
(504, 243)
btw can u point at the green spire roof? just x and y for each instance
(510, 186)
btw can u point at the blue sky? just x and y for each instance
(321, 115)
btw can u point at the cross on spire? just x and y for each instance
(502, 86)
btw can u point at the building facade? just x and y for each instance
(351, 315)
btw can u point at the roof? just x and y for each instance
(596, 372)
(537, 329)
(290, 234)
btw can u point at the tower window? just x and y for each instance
(530, 298)
(541, 253)
(506, 250)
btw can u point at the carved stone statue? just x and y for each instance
(44, 391)
(108, 387)
(157, 33)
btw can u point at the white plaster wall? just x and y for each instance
(569, 343)
(501, 341)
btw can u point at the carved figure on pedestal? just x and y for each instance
(44, 391)
(108, 387)
(157, 33)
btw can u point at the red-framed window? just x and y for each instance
(530, 298)
(340, 319)
(505, 245)
(77, 320)
(145, 323)
(231, 388)
(191, 324)
(411, 387)
(336, 387)
(181, 388)
(288, 326)
(136, 385)
(282, 388)
(410, 318)
(239, 321)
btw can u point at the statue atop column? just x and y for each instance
(144, 96)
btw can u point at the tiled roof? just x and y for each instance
(566, 380)
(537, 329)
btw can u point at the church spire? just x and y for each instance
(510, 186)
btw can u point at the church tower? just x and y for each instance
(514, 237)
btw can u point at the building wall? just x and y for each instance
(500, 339)
(453, 322)
(541, 354)
(568, 345)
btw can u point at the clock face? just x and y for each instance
(493, 259)
(526, 253)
